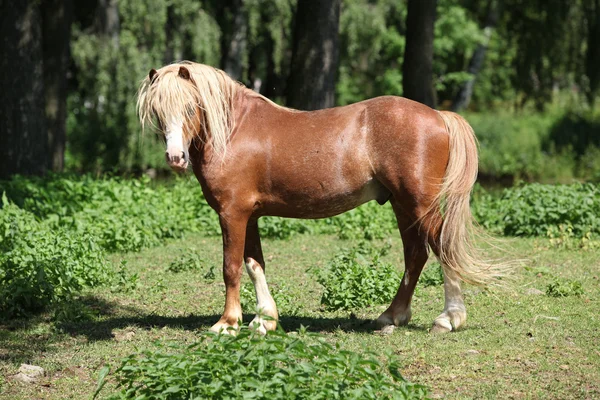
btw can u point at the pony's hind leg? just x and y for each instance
(415, 256)
(455, 312)
(255, 265)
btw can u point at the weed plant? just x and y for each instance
(249, 366)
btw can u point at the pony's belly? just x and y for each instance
(325, 203)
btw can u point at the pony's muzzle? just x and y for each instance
(178, 162)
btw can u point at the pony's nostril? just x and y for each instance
(183, 156)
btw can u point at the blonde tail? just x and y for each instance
(456, 249)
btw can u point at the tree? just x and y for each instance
(56, 32)
(592, 56)
(417, 69)
(23, 140)
(311, 84)
(234, 48)
(463, 97)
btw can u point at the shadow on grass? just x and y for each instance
(97, 320)
(112, 316)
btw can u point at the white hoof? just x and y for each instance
(225, 328)
(262, 325)
(449, 320)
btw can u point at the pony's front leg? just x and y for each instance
(255, 265)
(233, 227)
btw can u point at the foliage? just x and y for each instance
(40, 266)
(124, 215)
(533, 54)
(277, 366)
(432, 275)
(564, 288)
(187, 262)
(357, 278)
(543, 210)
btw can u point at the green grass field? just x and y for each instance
(517, 343)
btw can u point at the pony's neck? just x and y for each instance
(248, 106)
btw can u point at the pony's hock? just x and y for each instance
(253, 158)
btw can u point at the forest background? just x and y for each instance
(526, 73)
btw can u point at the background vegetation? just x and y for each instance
(526, 71)
(94, 266)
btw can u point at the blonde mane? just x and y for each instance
(169, 97)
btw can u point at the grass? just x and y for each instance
(515, 344)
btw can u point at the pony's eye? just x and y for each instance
(190, 111)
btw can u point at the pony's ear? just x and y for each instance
(184, 73)
(152, 74)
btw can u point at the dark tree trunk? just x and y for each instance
(169, 55)
(233, 63)
(23, 140)
(107, 20)
(417, 69)
(463, 97)
(592, 59)
(273, 85)
(311, 84)
(56, 31)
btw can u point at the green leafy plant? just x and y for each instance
(432, 275)
(357, 278)
(186, 262)
(277, 366)
(542, 210)
(40, 266)
(564, 288)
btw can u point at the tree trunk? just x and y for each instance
(311, 84)
(169, 55)
(107, 20)
(236, 46)
(463, 97)
(23, 140)
(417, 69)
(56, 31)
(592, 59)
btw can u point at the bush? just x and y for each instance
(542, 210)
(432, 275)
(277, 366)
(357, 278)
(124, 215)
(556, 146)
(40, 266)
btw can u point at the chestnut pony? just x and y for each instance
(253, 158)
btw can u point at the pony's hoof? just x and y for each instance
(225, 328)
(262, 326)
(449, 320)
(438, 328)
(400, 319)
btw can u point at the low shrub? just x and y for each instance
(432, 275)
(542, 210)
(40, 266)
(358, 278)
(564, 288)
(277, 366)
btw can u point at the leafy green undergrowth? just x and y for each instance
(277, 366)
(556, 146)
(40, 266)
(55, 233)
(357, 278)
(555, 211)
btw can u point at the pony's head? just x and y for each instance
(187, 103)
